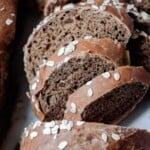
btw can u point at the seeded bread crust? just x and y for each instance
(79, 135)
(38, 47)
(95, 47)
(101, 86)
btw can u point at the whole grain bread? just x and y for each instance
(82, 136)
(110, 97)
(68, 69)
(71, 23)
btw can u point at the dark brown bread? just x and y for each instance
(62, 75)
(79, 135)
(7, 30)
(62, 27)
(139, 46)
(110, 97)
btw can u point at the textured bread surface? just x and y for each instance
(82, 136)
(55, 83)
(60, 28)
(112, 98)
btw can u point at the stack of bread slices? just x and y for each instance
(79, 77)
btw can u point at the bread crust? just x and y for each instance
(92, 135)
(102, 86)
(105, 48)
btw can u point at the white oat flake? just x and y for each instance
(50, 63)
(9, 21)
(62, 145)
(90, 92)
(106, 75)
(73, 108)
(79, 123)
(115, 136)
(33, 134)
(104, 137)
(61, 51)
(46, 131)
(116, 76)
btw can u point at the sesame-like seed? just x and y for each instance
(12, 14)
(26, 132)
(87, 37)
(36, 124)
(62, 145)
(2, 9)
(55, 136)
(90, 92)
(66, 59)
(79, 123)
(75, 42)
(57, 9)
(9, 21)
(50, 63)
(46, 131)
(50, 124)
(139, 1)
(61, 51)
(69, 49)
(55, 129)
(73, 108)
(95, 7)
(89, 83)
(104, 137)
(106, 75)
(102, 7)
(64, 121)
(33, 86)
(68, 6)
(116, 76)
(115, 136)
(33, 134)
(69, 125)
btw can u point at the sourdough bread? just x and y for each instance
(65, 72)
(110, 97)
(82, 136)
(58, 29)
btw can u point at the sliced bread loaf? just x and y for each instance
(110, 97)
(83, 136)
(72, 23)
(139, 46)
(67, 70)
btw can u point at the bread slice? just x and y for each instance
(62, 74)
(82, 136)
(139, 46)
(72, 23)
(110, 97)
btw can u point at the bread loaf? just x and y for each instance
(7, 31)
(110, 97)
(82, 136)
(70, 24)
(62, 74)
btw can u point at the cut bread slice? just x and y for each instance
(139, 46)
(110, 97)
(82, 136)
(72, 23)
(68, 69)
